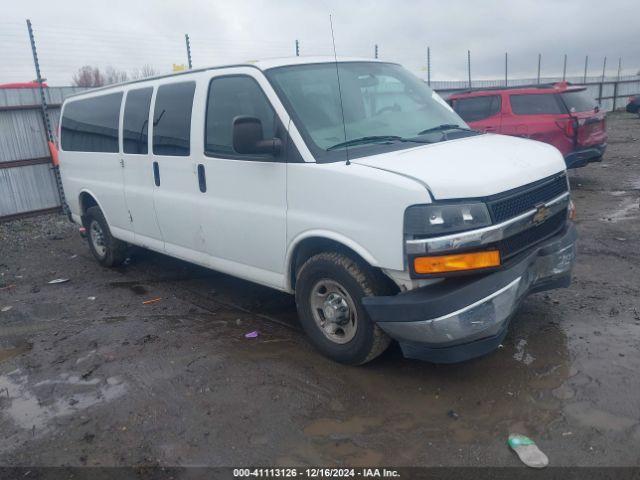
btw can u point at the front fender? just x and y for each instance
(328, 235)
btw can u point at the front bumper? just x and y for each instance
(581, 157)
(463, 318)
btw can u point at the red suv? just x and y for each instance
(559, 114)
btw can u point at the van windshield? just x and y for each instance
(385, 108)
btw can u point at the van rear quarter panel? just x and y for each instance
(361, 207)
(97, 173)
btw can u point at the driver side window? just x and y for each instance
(228, 98)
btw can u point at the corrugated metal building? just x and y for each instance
(27, 183)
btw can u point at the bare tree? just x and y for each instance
(113, 75)
(143, 72)
(88, 76)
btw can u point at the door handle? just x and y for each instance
(202, 178)
(156, 173)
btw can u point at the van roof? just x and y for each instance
(263, 65)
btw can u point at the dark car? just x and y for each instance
(634, 104)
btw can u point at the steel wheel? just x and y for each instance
(97, 238)
(334, 311)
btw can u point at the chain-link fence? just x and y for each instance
(130, 53)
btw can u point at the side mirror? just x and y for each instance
(248, 137)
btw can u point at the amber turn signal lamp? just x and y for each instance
(457, 262)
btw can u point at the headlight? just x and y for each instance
(421, 221)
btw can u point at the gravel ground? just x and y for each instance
(91, 375)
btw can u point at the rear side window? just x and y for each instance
(136, 121)
(228, 98)
(536, 104)
(578, 101)
(172, 119)
(477, 108)
(91, 125)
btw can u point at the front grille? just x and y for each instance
(528, 238)
(511, 204)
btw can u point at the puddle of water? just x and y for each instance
(469, 403)
(26, 408)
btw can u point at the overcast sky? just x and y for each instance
(131, 33)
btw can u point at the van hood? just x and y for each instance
(469, 167)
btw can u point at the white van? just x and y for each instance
(348, 183)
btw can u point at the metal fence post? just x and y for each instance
(564, 68)
(186, 39)
(45, 118)
(506, 69)
(586, 64)
(539, 64)
(615, 85)
(429, 66)
(604, 68)
(600, 94)
(619, 67)
(469, 66)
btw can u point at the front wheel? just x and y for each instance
(329, 290)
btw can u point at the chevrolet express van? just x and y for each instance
(348, 183)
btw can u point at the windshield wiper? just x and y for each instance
(361, 140)
(374, 138)
(445, 126)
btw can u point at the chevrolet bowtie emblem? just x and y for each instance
(542, 213)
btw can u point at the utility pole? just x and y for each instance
(469, 66)
(586, 65)
(564, 68)
(429, 66)
(539, 64)
(506, 69)
(53, 149)
(375, 51)
(297, 48)
(186, 39)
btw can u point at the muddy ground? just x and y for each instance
(90, 375)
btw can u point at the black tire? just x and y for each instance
(111, 252)
(357, 281)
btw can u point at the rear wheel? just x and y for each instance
(106, 249)
(329, 291)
